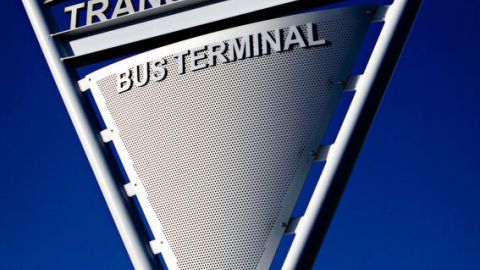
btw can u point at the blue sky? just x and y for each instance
(413, 201)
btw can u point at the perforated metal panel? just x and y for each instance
(220, 154)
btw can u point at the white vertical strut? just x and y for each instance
(372, 83)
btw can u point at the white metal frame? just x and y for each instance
(339, 161)
(160, 245)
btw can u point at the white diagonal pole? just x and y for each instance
(342, 155)
(137, 248)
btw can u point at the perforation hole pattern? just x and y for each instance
(217, 149)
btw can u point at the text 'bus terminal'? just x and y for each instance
(254, 45)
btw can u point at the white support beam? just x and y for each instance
(170, 24)
(371, 87)
(123, 214)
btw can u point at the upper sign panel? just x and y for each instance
(104, 10)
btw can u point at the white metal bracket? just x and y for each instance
(351, 84)
(380, 14)
(107, 135)
(292, 225)
(156, 246)
(83, 85)
(130, 189)
(322, 153)
(161, 246)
